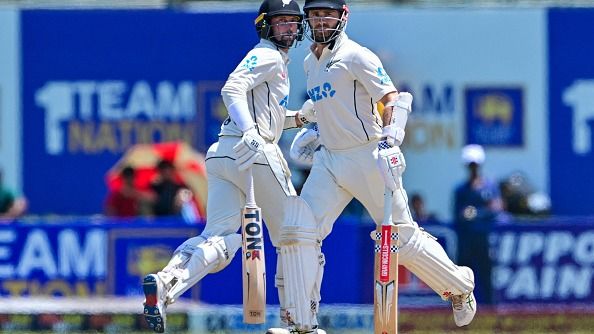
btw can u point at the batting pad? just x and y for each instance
(302, 262)
(195, 258)
(425, 257)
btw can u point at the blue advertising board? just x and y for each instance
(546, 262)
(571, 105)
(97, 82)
(84, 258)
(494, 116)
(540, 262)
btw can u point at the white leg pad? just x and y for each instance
(303, 264)
(195, 258)
(425, 257)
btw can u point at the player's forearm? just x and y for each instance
(240, 114)
(236, 103)
(396, 110)
(388, 101)
(398, 117)
(292, 120)
(297, 118)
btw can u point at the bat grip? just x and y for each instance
(250, 198)
(388, 194)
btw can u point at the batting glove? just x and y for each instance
(307, 114)
(304, 145)
(248, 149)
(391, 164)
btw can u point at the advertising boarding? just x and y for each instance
(571, 100)
(549, 262)
(97, 82)
(10, 144)
(77, 258)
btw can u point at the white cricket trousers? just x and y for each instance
(339, 175)
(227, 185)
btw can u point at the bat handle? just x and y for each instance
(388, 194)
(250, 199)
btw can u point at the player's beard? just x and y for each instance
(285, 40)
(324, 34)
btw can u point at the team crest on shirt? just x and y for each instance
(332, 62)
(250, 63)
(321, 92)
(383, 76)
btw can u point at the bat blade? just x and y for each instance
(253, 266)
(385, 313)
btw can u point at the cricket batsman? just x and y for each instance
(256, 95)
(358, 158)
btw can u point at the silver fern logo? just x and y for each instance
(383, 76)
(250, 63)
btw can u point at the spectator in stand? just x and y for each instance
(127, 201)
(418, 210)
(477, 205)
(11, 205)
(168, 191)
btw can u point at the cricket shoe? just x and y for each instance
(154, 302)
(294, 331)
(464, 306)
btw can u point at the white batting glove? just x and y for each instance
(307, 114)
(304, 145)
(248, 149)
(391, 164)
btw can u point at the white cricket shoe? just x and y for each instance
(294, 331)
(464, 306)
(154, 302)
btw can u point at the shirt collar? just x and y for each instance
(269, 45)
(335, 44)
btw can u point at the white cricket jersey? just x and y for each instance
(345, 84)
(262, 81)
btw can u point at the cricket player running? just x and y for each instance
(346, 81)
(256, 95)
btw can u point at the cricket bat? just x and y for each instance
(253, 261)
(385, 306)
